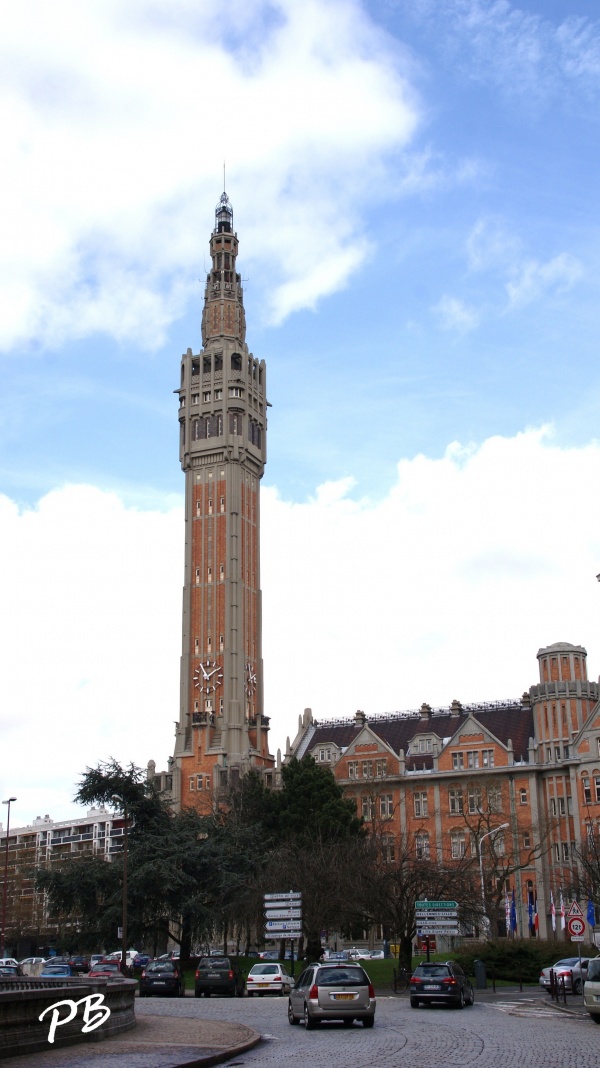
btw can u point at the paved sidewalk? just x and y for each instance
(155, 1042)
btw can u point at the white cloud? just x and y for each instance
(527, 55)
(533, 279)
(445, 588)
(454, 314)
(116, 121)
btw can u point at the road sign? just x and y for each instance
(440, 914)
(283, 925)
(436, 923)
(426, 905)
(577, 938)
(575, 926)
(276, 934)
(283, 914)
(292, 895)
(437, 931)
(574, 910)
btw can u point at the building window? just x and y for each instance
(198, 782)
(197, 507)
(388, 850)
(487, 758)
(386, 806)
(207, 782)
(565, 850)
(474, 799)
(523, 796)
(197, 574)
(381, 768)
(494, 799)
(499, 845)
(526, 840)
(420, 802)
(597, 786)
(195, 398)
(473, 759)
(325, 754)
(222, 504)
(549, 754)
(353, 769)
(367, 769)
(455, 797)
(209, 644)
(209, 574)
(221, 572)
(458, 844)
(191, 782)
(422, 846)
(587, 791)
(458, 760)
(557, 752)
(221, 642)
(236, 391)
(196, 646)
(206, 396)
(566, 752)
(367, 808)
(210, 506)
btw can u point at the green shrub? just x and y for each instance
(517, 959)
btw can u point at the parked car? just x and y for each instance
(336, 954)
(162, 977)
(332, 991)
(10, 971)
(269, 954)
(568, 970)
(105, 969)
(218, 975)
(9, 960)
(591, 990)
(268, 978)
(444, 983)
(79, 964)
(95, 959)
(58, 971)
(141, 960)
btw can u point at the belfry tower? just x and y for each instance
(222, 730)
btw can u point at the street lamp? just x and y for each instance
(479, 841)
(5, 891)
(116, 797)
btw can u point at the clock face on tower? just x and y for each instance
(208, 676)
(250, 685)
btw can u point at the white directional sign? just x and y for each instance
(437, 930)
(283, 914)
(450, 914)
(436, 923)
(283, 925)
(292, 895)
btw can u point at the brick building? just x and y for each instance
(30, 923)
(436, 780)
(222, 729)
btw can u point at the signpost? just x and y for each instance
(283, 917)
(576, 927)
(436, 918)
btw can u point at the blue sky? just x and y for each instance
(415, 189)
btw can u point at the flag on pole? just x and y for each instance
(536, 919)
(530, 910)
(591, 913)
(507, 911)
(552, 911)
(563, 922)
(513, 912)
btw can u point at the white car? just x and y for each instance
(10, 961)
(268, 978)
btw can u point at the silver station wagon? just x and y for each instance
(332, 991)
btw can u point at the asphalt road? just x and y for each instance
(507, 1032)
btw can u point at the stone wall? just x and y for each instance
(23, 1000)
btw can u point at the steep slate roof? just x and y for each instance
(506, 720)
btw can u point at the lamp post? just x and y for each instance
(486, 921)
(5, 890)
(116, 797)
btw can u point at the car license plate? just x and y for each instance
(160, 982)
(343, 997)
(261, 984)
(212, 975)
(431, 987)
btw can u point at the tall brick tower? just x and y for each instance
(222, 730)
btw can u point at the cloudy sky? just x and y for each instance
(415, 189)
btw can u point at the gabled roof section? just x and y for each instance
(506, 720)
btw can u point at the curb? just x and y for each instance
(223, 1055)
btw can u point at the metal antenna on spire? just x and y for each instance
(224, 186)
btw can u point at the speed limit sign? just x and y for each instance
(575, 926)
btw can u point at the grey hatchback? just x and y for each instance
(441, 982)
(336, 991)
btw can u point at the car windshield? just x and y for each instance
(265, 969)
(333, 976)
(431, 971)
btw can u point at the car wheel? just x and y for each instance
(368, 1021)
(595, 1017)
(460, 1004)
(471, 999)
(293, 1019)
(309, 1022)
(577, 986)
(414, 1003)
